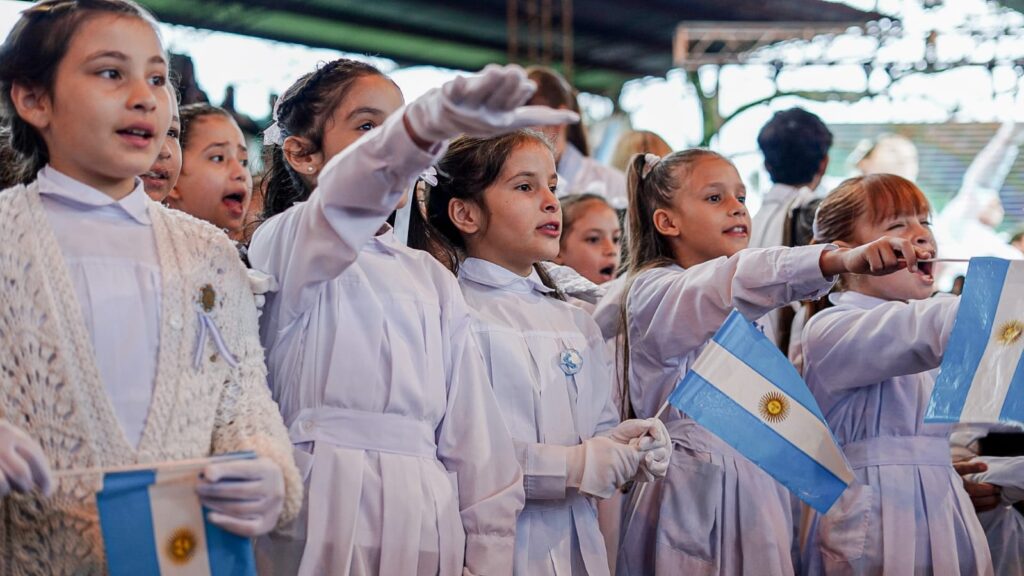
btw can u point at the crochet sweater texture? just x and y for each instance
(50, 385)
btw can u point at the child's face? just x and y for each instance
(521, 218)
(215, 184)
(109, 111)
(368, 103)
(902, 285)
(709, 214)
(591, 243)
(164, 173)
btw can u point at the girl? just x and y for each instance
(581, 173)
(163, 174)
(129, 333)
(590, 237)
(409, 468)
(908, 511)
(215, 184)
(495, 200)
(716, 512)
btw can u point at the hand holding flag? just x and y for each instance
(742, 389)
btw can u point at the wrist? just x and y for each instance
(421, 142)
(575, 461)
(831, 262)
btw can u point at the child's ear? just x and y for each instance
(466, 216)
(665, 223)
(297, 153)
(32, 104)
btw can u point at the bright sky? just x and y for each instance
(668, 106)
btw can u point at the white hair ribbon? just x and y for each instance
(650, 161)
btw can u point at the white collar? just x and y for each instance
(855, 299)
(52, 182)
(495, 276)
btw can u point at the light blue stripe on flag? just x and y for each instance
(970, 336)
(981, 379)
(124, 515)
(744, 391)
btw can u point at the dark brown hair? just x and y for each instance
(554, 91)
(304, 110)
(468, 167)
(31, 55)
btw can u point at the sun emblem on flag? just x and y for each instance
(774, 407)
(181, 546)
(1010, 332)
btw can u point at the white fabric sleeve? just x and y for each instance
(673, 313)
(315, 241)
(889, 340)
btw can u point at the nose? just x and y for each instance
(165, 150)
(736, 208)
(549, 202)
(142, 96)
(238, 170)
(923, 237)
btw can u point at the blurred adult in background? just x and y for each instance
(887, 153)
(578, 172)
(637, 142)
(966, 227)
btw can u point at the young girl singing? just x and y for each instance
(215, 183)
(127, 332)
(495, 202)
(715, 512)
(870, 361)
(409, 467)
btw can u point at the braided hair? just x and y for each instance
(304, 110)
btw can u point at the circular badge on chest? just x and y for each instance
(571, 361)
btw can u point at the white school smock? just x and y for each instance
(523, 333)
(110, 251)
(585, 175)
(715, 512)
(870, 365)
(409, 469)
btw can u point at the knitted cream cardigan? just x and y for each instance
(50, 385)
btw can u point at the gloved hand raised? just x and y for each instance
(487, 104)
(600, 465)
(23, 466)
(245, 497)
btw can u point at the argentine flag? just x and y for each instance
(746, 392)
(982, 377)
(153, 524)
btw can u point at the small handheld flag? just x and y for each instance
(153, 524)
(746, 392)
(982, 376)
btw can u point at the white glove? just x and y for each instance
(600, 465)
(657, 450)
(23, 466)
(487, 104)
(245, 497)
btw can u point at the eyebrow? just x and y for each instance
(366, 110)
(118, 55)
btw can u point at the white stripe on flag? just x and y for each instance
(746, 387)
(995, 370)
(178, 529)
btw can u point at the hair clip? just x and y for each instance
(650, 161)
(429, 176)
